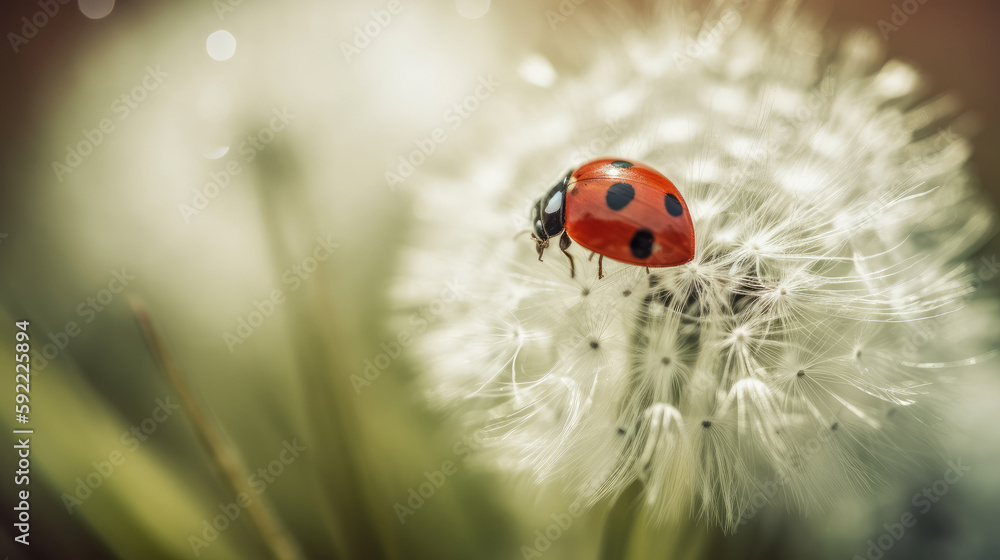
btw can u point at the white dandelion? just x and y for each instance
(832, 218)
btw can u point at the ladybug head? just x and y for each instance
(548, 212)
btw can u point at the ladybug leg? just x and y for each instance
(540, 246)
(591, 257)
(564, 243)
(600, 267)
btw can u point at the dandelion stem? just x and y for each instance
(233, 472)
(619, 523)
(332, 412)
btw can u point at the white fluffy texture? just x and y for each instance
(788, 362)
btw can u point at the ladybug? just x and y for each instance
(619, 209)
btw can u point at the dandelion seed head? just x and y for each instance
(788, 354)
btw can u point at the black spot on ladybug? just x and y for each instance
(619, 195)
(642, 244)
(622, 164)
(673, 205)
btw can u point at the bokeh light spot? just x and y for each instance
(221, 45)
(96, 9)
(215, 152)
(537, 70)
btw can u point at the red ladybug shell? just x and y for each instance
(628, 212)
